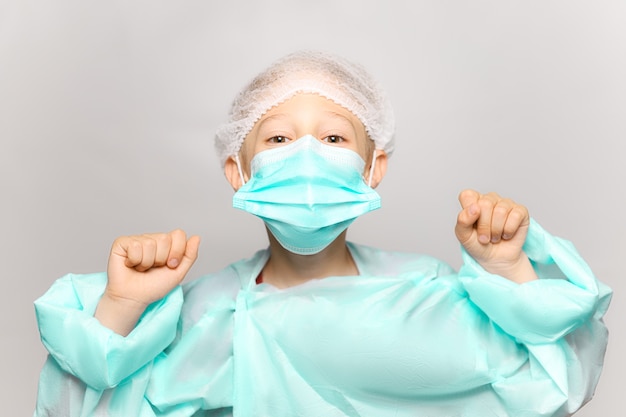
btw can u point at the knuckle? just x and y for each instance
(501, 210)
(519, 212)
(134, 244)
(123, 241)
(162, 239)
(494, 198)
(150, 243)
(485, 204)
(178, 234)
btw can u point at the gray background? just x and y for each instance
(107, 114)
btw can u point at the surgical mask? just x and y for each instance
(307, 193)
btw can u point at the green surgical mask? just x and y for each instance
(307, 193)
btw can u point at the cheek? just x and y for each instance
(246, 154)
(366, 150)
(364, 144)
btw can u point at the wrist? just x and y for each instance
(118, 313)
(129, 305)
(519, 270)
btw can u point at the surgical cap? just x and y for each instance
(330, 76)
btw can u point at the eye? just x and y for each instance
(279, 139)
(333, 139)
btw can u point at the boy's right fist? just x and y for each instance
(145, 268)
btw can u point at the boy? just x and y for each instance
(315, 325)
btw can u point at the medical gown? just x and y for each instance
(408, 336)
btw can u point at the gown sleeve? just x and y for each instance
(90, 367)
(558, 318)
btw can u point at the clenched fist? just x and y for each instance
(141, 270)
(493, 230)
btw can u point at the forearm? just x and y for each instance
(546, 309)
(65, 314)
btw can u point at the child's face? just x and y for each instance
(306, 114)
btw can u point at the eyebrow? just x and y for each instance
(343, 118)
(333, 114)
(275, 116)
(272, 117)
(338, 115)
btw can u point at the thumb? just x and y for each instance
(190, 256)
(467, 197)
(465, 221)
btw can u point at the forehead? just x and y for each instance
(305, 104)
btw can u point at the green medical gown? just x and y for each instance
(407, 337)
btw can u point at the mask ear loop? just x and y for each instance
(372, 166)
(239, 169)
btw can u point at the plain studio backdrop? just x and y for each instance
(108, 110)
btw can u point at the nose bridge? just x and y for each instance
(308, 148)
(310, 154)
(314, 159)
(307, 121)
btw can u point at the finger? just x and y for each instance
(467, 197)
(483, 224)
(190, 256)
(177, 248)
(498, 219)
(148, 255)
(163, 246)
(130, 249)
(465, 222)
(518, 217)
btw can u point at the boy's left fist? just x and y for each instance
(492, 230)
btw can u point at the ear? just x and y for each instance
(231, 171)
(380, 167)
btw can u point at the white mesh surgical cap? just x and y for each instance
(343, 82)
